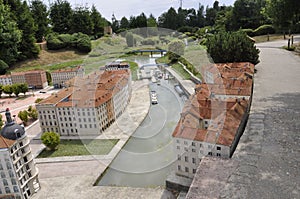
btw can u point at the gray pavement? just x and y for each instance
(267, 159)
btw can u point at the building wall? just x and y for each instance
(9, 185)
(48, 118)
(190, 152)
(36, 79)
(60, 77)
(18, 173)
(18, 78)
(5, 80)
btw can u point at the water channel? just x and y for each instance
(147, 158)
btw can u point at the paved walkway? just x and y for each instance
(267, 159)
(73, 177)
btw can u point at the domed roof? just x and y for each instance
(11, 130)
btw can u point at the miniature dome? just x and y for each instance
(11, 130)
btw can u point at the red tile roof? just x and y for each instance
(5, 143)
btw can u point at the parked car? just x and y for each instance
(153, 94)
(154, 100)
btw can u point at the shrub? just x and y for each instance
(264, 30)
(38, 100)
(51, 140)
(84, 45)
(67, 39)
(55, 44)
(23, 115)
(231, 47)
(148, 41)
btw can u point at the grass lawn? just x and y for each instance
(264, 38)
(80, 147)
(179, 69)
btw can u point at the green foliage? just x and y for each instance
(264, 30)
(1, 89)
(40, 16)
(32, 112)
(49, 78)
(10, 37)
(79, 41)
(23, 115)
(81, 21)
(61, 16)
(7, 89)
(98, 23)
(23, 88)
(149, 41)
(15, 89)
(38, 100)
(3, 67)
(51, 140)
(230, 47)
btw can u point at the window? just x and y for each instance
(179, 157)
(8, 165)
(178, 147)
(186, 158)
(200, 145)
(16, 190)
(13, 181)
(193, 144)
(193, 150)
(194, 160)
(218, 148)
(7, 190)
(186, 169)
(218, 154)
(185, 142)
(194, 170)
(209, 146)
(3, 174)
(5, 182)
(210, 153)
(179, 168)
(186, 149)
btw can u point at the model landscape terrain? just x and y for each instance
(194, 103)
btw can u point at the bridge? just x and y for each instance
(151, 51)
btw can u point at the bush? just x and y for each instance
(51, 140)
(55, 44)
(67, 39)
(38, 100)
(264, 30)
(229, 47)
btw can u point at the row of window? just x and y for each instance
(186, 169)
(7, 190)
(186, 159)
(194, 144)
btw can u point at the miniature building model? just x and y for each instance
(18, 174)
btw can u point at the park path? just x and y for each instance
(267, 159)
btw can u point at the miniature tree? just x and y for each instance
(51, 140)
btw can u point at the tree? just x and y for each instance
(10, 37)
(40, 17)
(22, 15)
(115, 23)
(81, 21)
(98, 23)
(175, 49)
(168, 19)
(16, 89)
(3, 67)
(23, 115)
(51, 140)
(124, 23)
(32, 113)
(7, 89)
(61, 16)
(23, 88)
(226, 47)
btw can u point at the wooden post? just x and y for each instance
(268, 37)
(292, 39)
(289, 41)
(283, 35)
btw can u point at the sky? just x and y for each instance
(129, 8)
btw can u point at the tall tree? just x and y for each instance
(168, 19)
(10, 36)
(247, 14)
(284, 13)
(23, 17)
(124, 23)
(61, 16)
(81, 21)
(115, 25)
(40, 16)
(98, 23)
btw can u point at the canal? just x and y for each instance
(147, 158)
